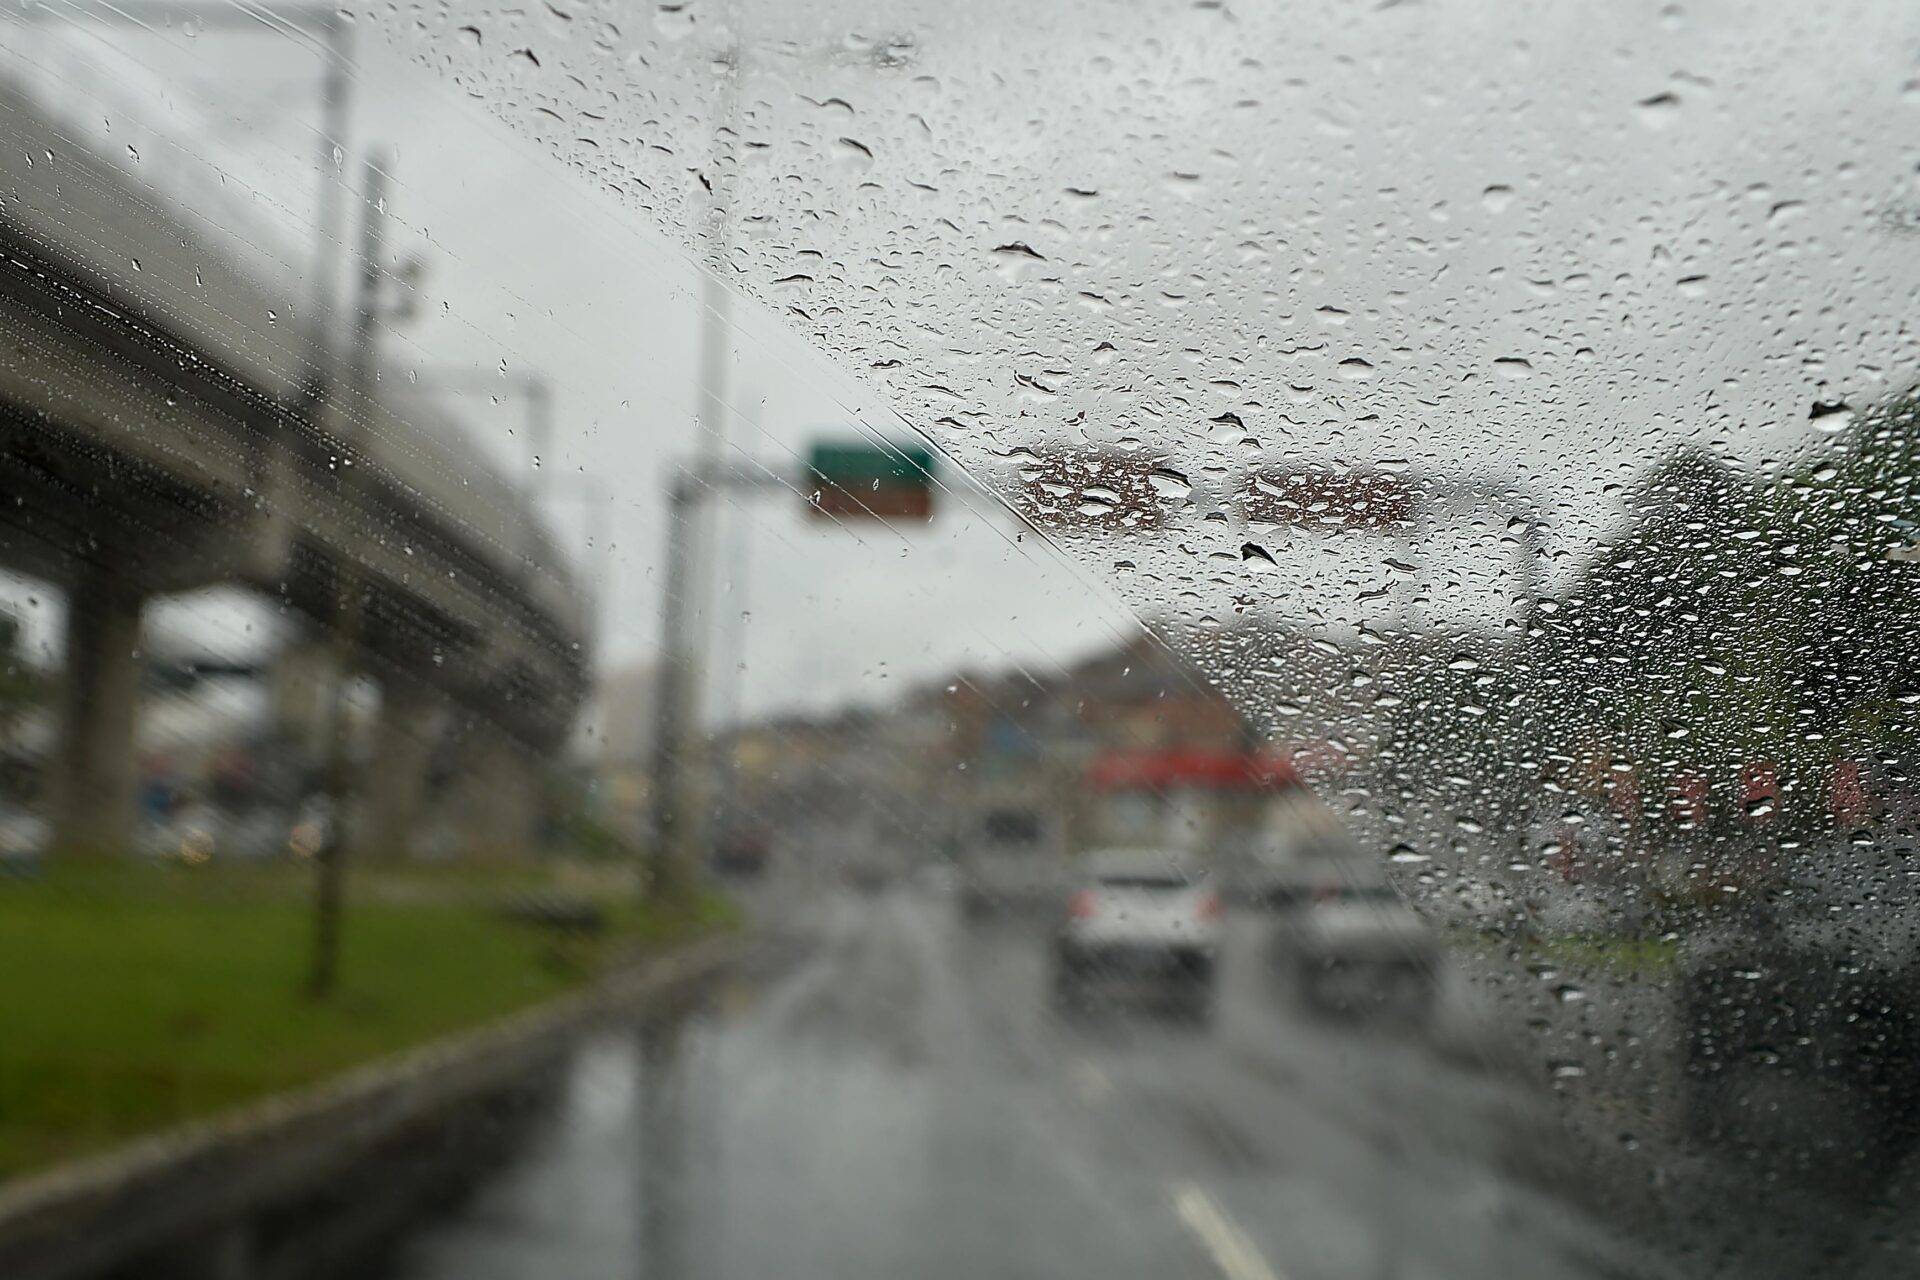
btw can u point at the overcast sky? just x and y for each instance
(1544, 245)
(530, 270)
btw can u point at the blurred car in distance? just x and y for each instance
(740, 853)
(1315, 849)
(198, 832)
(1140, 916)
(866, 874)
(936, 878)
(998, 878)
(186, 834)
(1476, 903)
(1354, 947)
(1799, 1021)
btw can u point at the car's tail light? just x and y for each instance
(1209, 906)
(1081, 906)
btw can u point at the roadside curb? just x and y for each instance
(95, 1213)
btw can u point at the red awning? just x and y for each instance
(1216, 770)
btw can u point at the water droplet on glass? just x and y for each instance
(1832, 416)
(854, 154)
(674, 21)
(1658, 111)
(1169, 483)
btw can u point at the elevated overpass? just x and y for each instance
(166, 424)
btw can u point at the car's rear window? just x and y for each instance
(1163, 882)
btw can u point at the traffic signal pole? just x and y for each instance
(866, 480)
(674, 807)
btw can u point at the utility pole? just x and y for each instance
(334, 86)
(688, 590)
(1532, 556)
(730, 645)
(349, 603)
(670, 860)
(668, 870)
(716, 368)
(687, 585)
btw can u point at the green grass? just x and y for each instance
(1640, 957)
(1643, 957)
(139, 996)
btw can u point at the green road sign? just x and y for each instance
(868, 480)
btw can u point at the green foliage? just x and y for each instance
(1737, 617)
(1752, 618)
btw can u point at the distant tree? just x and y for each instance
(1740, 619)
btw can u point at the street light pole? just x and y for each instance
(670, 857)
(334, 91)
(1530, 575)
(687, 587)
(349, 605)
(681, 661)
(1532, 553)
(665, 857)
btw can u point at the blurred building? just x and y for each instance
(1127, 746)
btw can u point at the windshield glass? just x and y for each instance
(594, 594)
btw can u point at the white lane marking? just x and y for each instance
(1092, 1081)
(1232, 1252)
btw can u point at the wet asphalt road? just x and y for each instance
(885, 1091)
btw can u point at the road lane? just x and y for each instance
(903, 1100)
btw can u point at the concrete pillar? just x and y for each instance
(396, 776)
(498, 791)
(93, 772)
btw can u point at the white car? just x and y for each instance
(1354, 947)
(1140, 915)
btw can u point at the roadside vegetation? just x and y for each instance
(141, 995)
(1637, 958)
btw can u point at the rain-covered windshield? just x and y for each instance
(837, 638)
